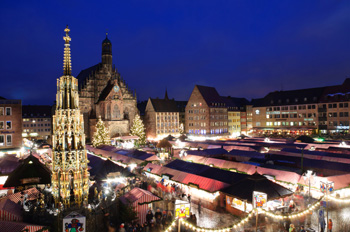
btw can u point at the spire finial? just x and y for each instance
(67, 66)
(166, 94)
(67, 38)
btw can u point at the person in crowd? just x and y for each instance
(330, 225)
(194, 220)
(292, 228)
(169, 217)
(149, 217)
(302, 229)
(121, 228)
(152, 228)
(164, 220)
(322, 224)
(199, 207)
(158, 216)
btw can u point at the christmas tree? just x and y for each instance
(138, 129)
(101, 136)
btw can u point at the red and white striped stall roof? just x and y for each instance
(32, 194)
(10, 211)
(139, 198)
(7, 226)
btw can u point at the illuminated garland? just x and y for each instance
(338, 200)
(294, 215)
(200, 229)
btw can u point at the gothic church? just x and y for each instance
(103, 93)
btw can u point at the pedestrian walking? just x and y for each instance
(292, 228)
(330, 225)
(322, 224)
(121, 228)
(149, 217)
(199, 207)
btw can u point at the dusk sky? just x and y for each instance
(243, 48)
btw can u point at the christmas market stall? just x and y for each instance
(141, 200)
(31, 172)
(238, 196)
(11, 226)
(10, 211)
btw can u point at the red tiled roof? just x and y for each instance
(139, 195)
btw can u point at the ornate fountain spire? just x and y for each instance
(70, 176)
(67, 65)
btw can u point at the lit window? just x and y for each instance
(8, 125)
(1, 111)
(1, 125)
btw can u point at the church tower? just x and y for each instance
(70, 174)
(107, 53)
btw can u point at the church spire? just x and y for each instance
(166, 95)
(67, 66)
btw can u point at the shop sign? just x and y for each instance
(74, 222)
(324, 185)
(7, 132)
(259, 199)
(238, 204)
(182, 209)
(30, 180)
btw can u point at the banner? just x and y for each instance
(182, 209)
(74, 222)
(259, 199)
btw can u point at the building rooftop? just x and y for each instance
(211, 96)
(36, 111)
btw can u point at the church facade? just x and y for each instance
(103, 93)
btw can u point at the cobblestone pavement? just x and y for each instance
(212, 219)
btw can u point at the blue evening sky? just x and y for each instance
(243, 48)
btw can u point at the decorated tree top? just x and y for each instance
(101, 136)
(138, 129)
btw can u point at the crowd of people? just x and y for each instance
(155, 222)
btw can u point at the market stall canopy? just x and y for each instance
(107, 167)
(130, 137)
(164, 143)
(30, 172)
(10, 211)
(208, 152)
(30, 194)
(140, 196)
(244, 189)
(7, 226)
(8, 163)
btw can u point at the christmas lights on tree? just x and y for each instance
(138, 129)
(101, 136)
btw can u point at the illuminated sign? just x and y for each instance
(259, 199)
(182, 209)
(74, 222)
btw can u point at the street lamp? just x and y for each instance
(308, 175)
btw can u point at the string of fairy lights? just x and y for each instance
(267, 213)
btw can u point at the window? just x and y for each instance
(8, 125)
(1, 125)
(8, 140)
(2, 140)
(8, 110)
(1, 111)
